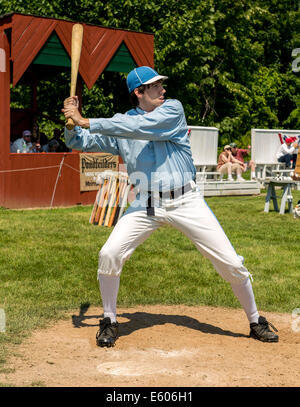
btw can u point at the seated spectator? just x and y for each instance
(43, 141)
(35, 137)
(57, 136)
(239, 154)
(287, 153)
(226, 165)
(22, 144)
(51, 147)
(36, 147)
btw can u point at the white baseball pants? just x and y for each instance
(191, 215)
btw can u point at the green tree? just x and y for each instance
(228, 62)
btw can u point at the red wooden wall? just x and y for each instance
(28, 180)
(99, 45)
(34, 185)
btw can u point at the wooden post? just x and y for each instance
(4, 111)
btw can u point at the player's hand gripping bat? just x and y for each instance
(77, 34)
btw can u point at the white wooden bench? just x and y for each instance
(209, 173)
(264, 172)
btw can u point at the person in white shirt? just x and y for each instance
(23, 144)
(287, 153)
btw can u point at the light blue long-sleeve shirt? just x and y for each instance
(154, 145)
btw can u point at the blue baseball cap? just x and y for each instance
(143, 75)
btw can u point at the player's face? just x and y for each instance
(152, 97)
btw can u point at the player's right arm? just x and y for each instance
(70, 110)
(80, 137)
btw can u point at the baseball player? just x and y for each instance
(152, 139)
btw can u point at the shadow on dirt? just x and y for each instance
(142, 320)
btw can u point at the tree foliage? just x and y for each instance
(228, 62)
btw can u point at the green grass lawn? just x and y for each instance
(48, 263)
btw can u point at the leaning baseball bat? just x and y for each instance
(105, 202)
(77, 34)
(122, 186)
(124, 200)
(297, 169)
(99, 209)
(111, 201)
(96, 203)
(296, 176)
(112, 216)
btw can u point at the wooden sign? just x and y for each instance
(91, 165)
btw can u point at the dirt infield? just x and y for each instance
(159, 346)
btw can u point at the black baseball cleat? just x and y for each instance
(262, 332)
(108, 333)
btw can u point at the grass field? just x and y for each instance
(49, 258)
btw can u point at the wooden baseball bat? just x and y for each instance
(124, 200)
(99, 209)
(101, 201)
(111, 200)
(112, 217)
(77, 35)
(96, 203)
(122, 188)
(296, 176)
(105, 202)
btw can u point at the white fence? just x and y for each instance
(204, 145)
(265, 144)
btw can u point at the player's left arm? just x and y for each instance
(166, 122)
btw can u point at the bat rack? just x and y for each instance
(111, 198)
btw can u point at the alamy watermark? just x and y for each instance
(296, 62)
(296, 320)
(2, 320)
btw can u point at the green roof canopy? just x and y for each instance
(53, 53)
(122, 61)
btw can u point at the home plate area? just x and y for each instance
(153, 362)
(159, 346)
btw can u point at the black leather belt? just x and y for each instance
(172, 194)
